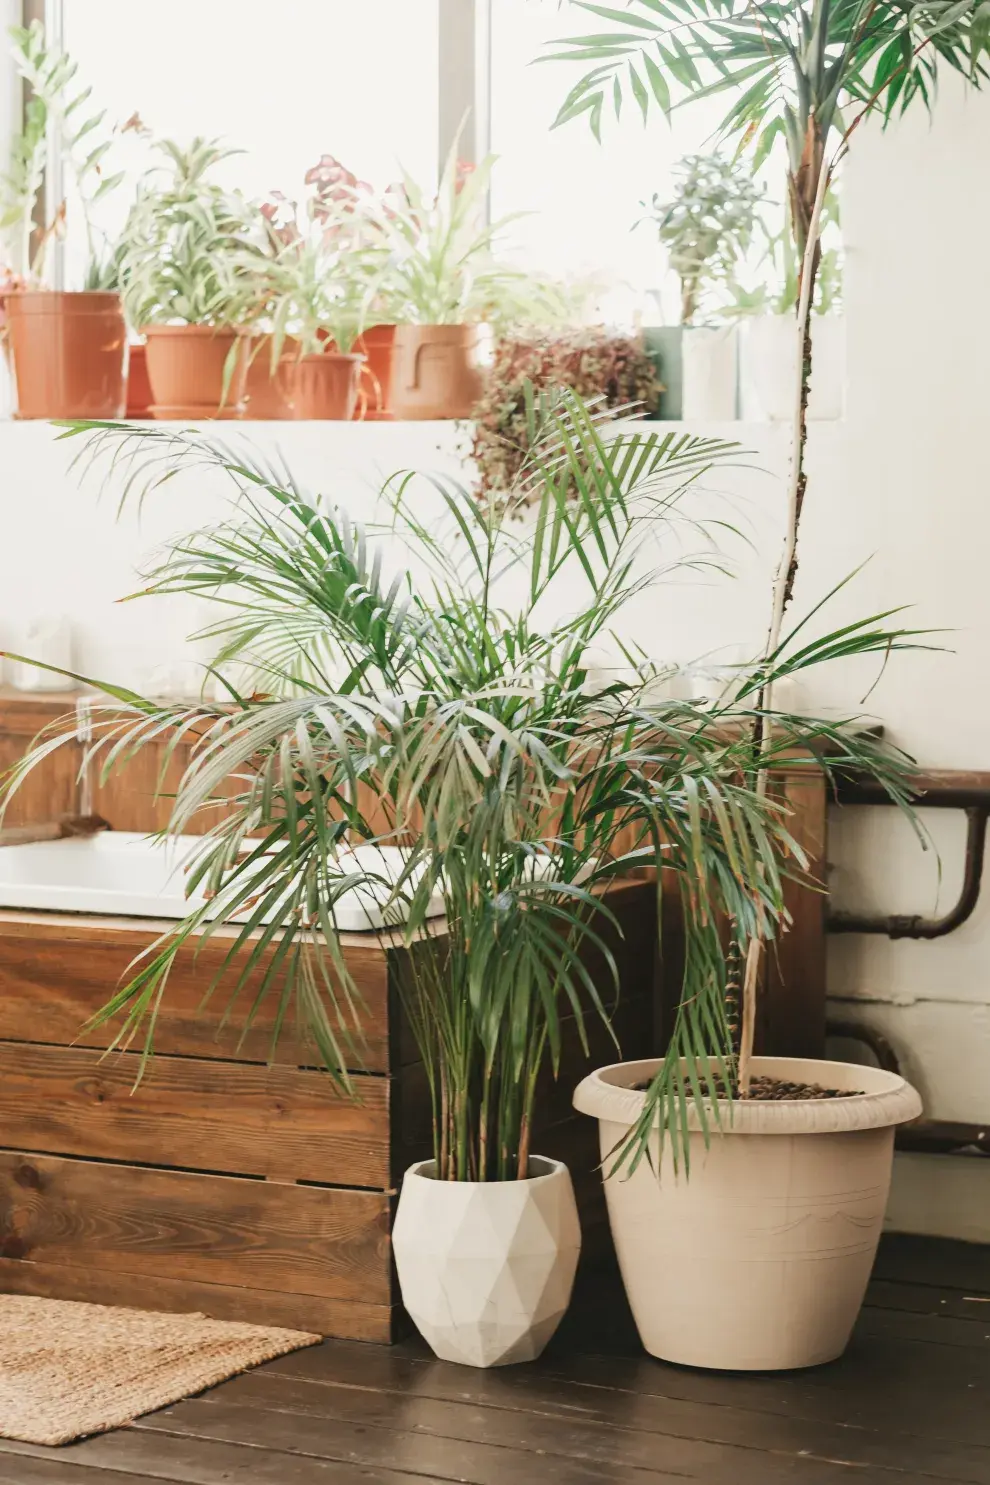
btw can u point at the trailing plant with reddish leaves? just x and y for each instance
(594, 363)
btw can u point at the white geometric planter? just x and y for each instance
(486, 1268)
(759, 1259)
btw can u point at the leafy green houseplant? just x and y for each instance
(807, 74)
(445, 281)
(707, 227)
(428, 727)
(602, 366)
(68, 349)
(192, 252)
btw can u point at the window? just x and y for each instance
(284, 83)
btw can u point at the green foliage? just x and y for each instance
(601, 366)
(192, 251)
(778, 272)
(433, 703)
(799, 70)
(443, 256)
(58, 106)
(708, 226)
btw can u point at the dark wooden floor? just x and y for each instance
(909, 1402)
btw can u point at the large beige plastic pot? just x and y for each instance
(759, 1259)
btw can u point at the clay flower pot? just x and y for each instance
(186, 370)
(759, 1259)
(324, 386)
(377, 374)
(68, 353)
(437, 370)
(486, 1268)
(138, 385)
(267, 393)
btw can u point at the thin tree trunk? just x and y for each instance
(808, 226)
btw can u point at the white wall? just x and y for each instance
(903, 481)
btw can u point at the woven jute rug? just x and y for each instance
(68, 1370)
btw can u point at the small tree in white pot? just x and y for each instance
(744, 1268)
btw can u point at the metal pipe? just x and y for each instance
(900, 925)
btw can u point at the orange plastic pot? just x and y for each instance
(138, 385)
(377, 374)
(186, 365)
(324, 386)
(68, 353)
(268, 394)
(437, 370)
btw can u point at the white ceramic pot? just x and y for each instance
(759, 1260)
(768, 364)
(710, 372)
(486, 1268)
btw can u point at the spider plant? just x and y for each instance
(56, 115)
(444, 266)
(191, 249)
(427, 686)
(808, 73)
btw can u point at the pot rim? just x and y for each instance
(885, 1100)
(325, 356)
(556, 1167)
(214, 331)
(41, 301)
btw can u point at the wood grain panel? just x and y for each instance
(346, 1319)
(154, 1224)
(52, 790)
(280, 1122)
(58, 970)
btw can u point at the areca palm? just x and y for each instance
(444, 704)
(808, 72)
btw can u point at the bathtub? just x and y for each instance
(122, 874)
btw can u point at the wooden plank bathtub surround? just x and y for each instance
(223, 1182)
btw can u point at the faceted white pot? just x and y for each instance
(768, 368)
(486, 1268)
(710, 371)
(759, 1259)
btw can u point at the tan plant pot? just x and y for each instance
(186, 366)
(324, 386)
(486, 1268)
(759, 1260)
(437, 370)
(68, 354)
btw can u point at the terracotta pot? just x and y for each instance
(268, 395)
(324, 386)
(186, 371)
(486, 1268)
(68, 353)
(377, 374)
(138, 385)
(759, 1259)
(437, 370)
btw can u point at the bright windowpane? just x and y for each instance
(286, 83)
(586, 197)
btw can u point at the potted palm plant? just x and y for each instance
(707, 227)
(770, 1280)
(445, 286)
(67, 348)
(190, 257)
(438, 735)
